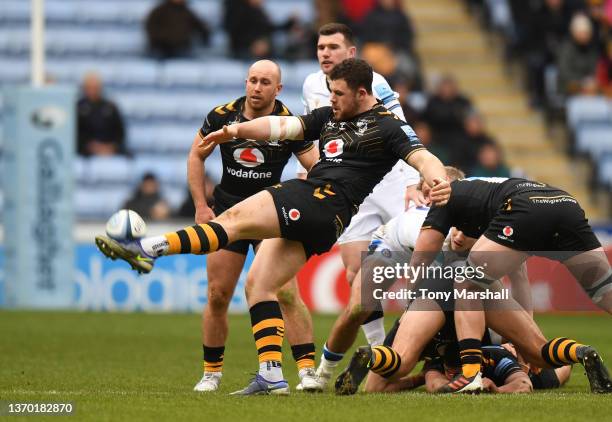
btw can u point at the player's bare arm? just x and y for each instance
(432, 170)
(268, 128)
(195, 178)
(308, 159)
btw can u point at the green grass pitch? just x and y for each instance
(143, 367)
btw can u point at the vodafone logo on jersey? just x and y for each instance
(248, 157)
(334, 148)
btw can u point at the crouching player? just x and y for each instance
(425, 318)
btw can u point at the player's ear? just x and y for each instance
(279, 88)
(352, 52)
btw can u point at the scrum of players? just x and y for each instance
(370, 165)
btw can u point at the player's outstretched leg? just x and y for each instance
(253, 218)
(562, 351)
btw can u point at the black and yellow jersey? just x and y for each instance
(357, 153)
(250, 166)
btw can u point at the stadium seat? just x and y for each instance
(14, 71)
(99, 203)
(206, 75)
(281, 10)
(14, 11)
(586, 109)
(108, 170)
(169, 169)
(594, 139)
(164, 138)
(605, 170)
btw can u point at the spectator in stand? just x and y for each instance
(147, 200)
(445, 111)
(604, 71)
(354, 11)
(608, 13)
(171, 28)
(402, 87)
(423, 131)
(545, 30)
(386, 26)
(99, 126)
(250, 29)
(578, 57)
(387, 23)
(187, 208)
(490, 163)
(475, 137)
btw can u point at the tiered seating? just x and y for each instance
(590, 120)
(163, 102)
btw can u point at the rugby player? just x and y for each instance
(248, 167)
(513, 219)
(335, 44)
(428, 326)
(396, 236)
(359, 142)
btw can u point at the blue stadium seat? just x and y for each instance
(165, 138)
(108, 170)
(169, 169)
(14, 71)
(594, 139)
(585, 109)
(210, 74)
(281, 10)
(169, 105)
(605, 170)
(294, 74)
(15, 11)
(99, 202)
(210, 11)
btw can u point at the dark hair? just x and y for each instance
(338, 28)
(356, 73)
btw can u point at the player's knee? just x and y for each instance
(286, 298)
(218, 299)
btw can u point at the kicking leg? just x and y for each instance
(253, 218)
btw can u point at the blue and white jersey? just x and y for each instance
(401, 232)
(315, 93)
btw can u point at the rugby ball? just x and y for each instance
(126, 225)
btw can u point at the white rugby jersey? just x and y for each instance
(315, 93)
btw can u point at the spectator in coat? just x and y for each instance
(99, 124)
(171, 28)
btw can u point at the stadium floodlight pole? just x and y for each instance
(37, 43)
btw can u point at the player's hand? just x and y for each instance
(204, 215)
(415, 195)
(440, 192)
(488, 385)
(226, 134)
